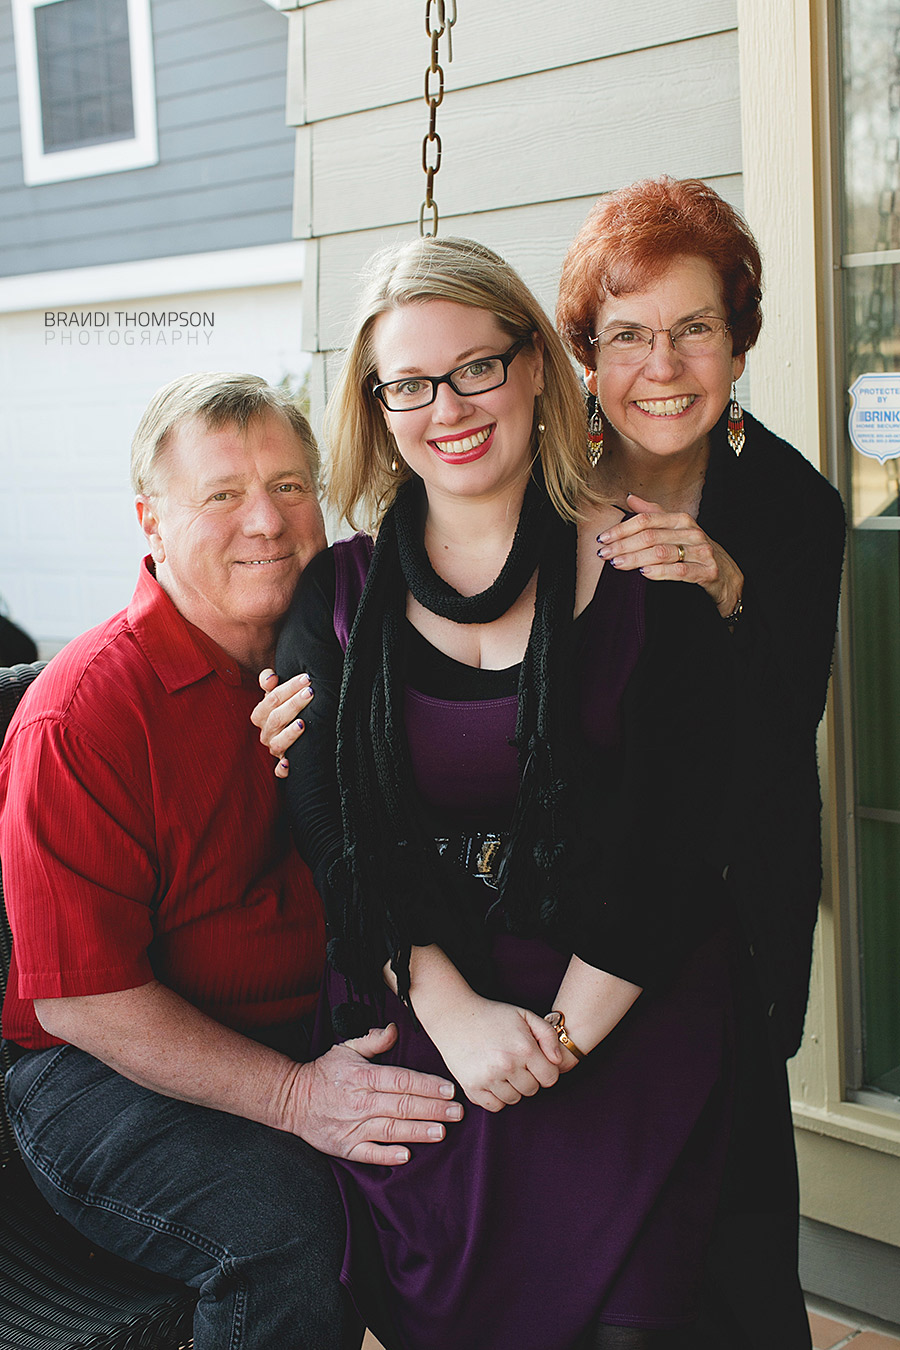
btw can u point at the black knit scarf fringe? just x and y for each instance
(395, 890)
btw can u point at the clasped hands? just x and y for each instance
(497, 1052)
(671, 546)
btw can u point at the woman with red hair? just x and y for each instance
(660, 302)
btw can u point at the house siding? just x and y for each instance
(223, 180)
(544, 109)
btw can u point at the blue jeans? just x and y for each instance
(249, 1216)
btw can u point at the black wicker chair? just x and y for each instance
(57, 1292)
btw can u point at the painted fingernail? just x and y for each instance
(602, 538)
(604, 552)
(301, 724)
(435, 1131)
(282, 764)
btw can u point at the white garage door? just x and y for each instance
(73, 394)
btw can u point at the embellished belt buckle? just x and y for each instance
(478, 855)
(487, 858)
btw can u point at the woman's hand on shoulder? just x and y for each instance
(278, 715)
(498, 1053)
(671, 546)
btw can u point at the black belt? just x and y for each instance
(478, 855)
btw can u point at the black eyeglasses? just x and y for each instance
(475, 377)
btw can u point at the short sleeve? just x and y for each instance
(78, 867)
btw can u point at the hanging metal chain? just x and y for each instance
(440, 16)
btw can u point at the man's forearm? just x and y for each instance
(342, 1103)
(156, 1038)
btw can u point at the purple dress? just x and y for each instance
(595, 1198)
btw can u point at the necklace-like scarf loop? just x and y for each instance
(436, 594)
(393, 890)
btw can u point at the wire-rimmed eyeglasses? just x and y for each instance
(631, 343)
(475, 377)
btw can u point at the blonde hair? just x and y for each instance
(220, 399)
(361, 482)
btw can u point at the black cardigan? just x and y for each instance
(784, 525)
(655, 814)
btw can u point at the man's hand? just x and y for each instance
(341, 1104)
(349, 1108)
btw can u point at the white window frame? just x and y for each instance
(56, 166)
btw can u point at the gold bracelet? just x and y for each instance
(558, 1023)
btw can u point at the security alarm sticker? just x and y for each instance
(875, 415)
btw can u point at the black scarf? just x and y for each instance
(394, 889)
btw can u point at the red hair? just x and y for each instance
(632, 236)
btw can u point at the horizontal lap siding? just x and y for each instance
(533, 239)
(556, 134)
(545, 107)
(369, 55)
(224, 177)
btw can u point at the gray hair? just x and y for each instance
(219, 399)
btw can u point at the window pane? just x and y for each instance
(872, 346)
(871, 224)
(84, 66)
(871, 59)
(880, 880)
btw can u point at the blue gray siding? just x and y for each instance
(224, 177)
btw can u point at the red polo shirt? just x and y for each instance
(141, 834)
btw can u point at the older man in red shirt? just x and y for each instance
(168, 941)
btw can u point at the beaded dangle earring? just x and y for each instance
(735, 423)
(595, 436)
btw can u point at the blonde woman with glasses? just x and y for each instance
(476, 793)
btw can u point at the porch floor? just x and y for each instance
(834, 1328)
